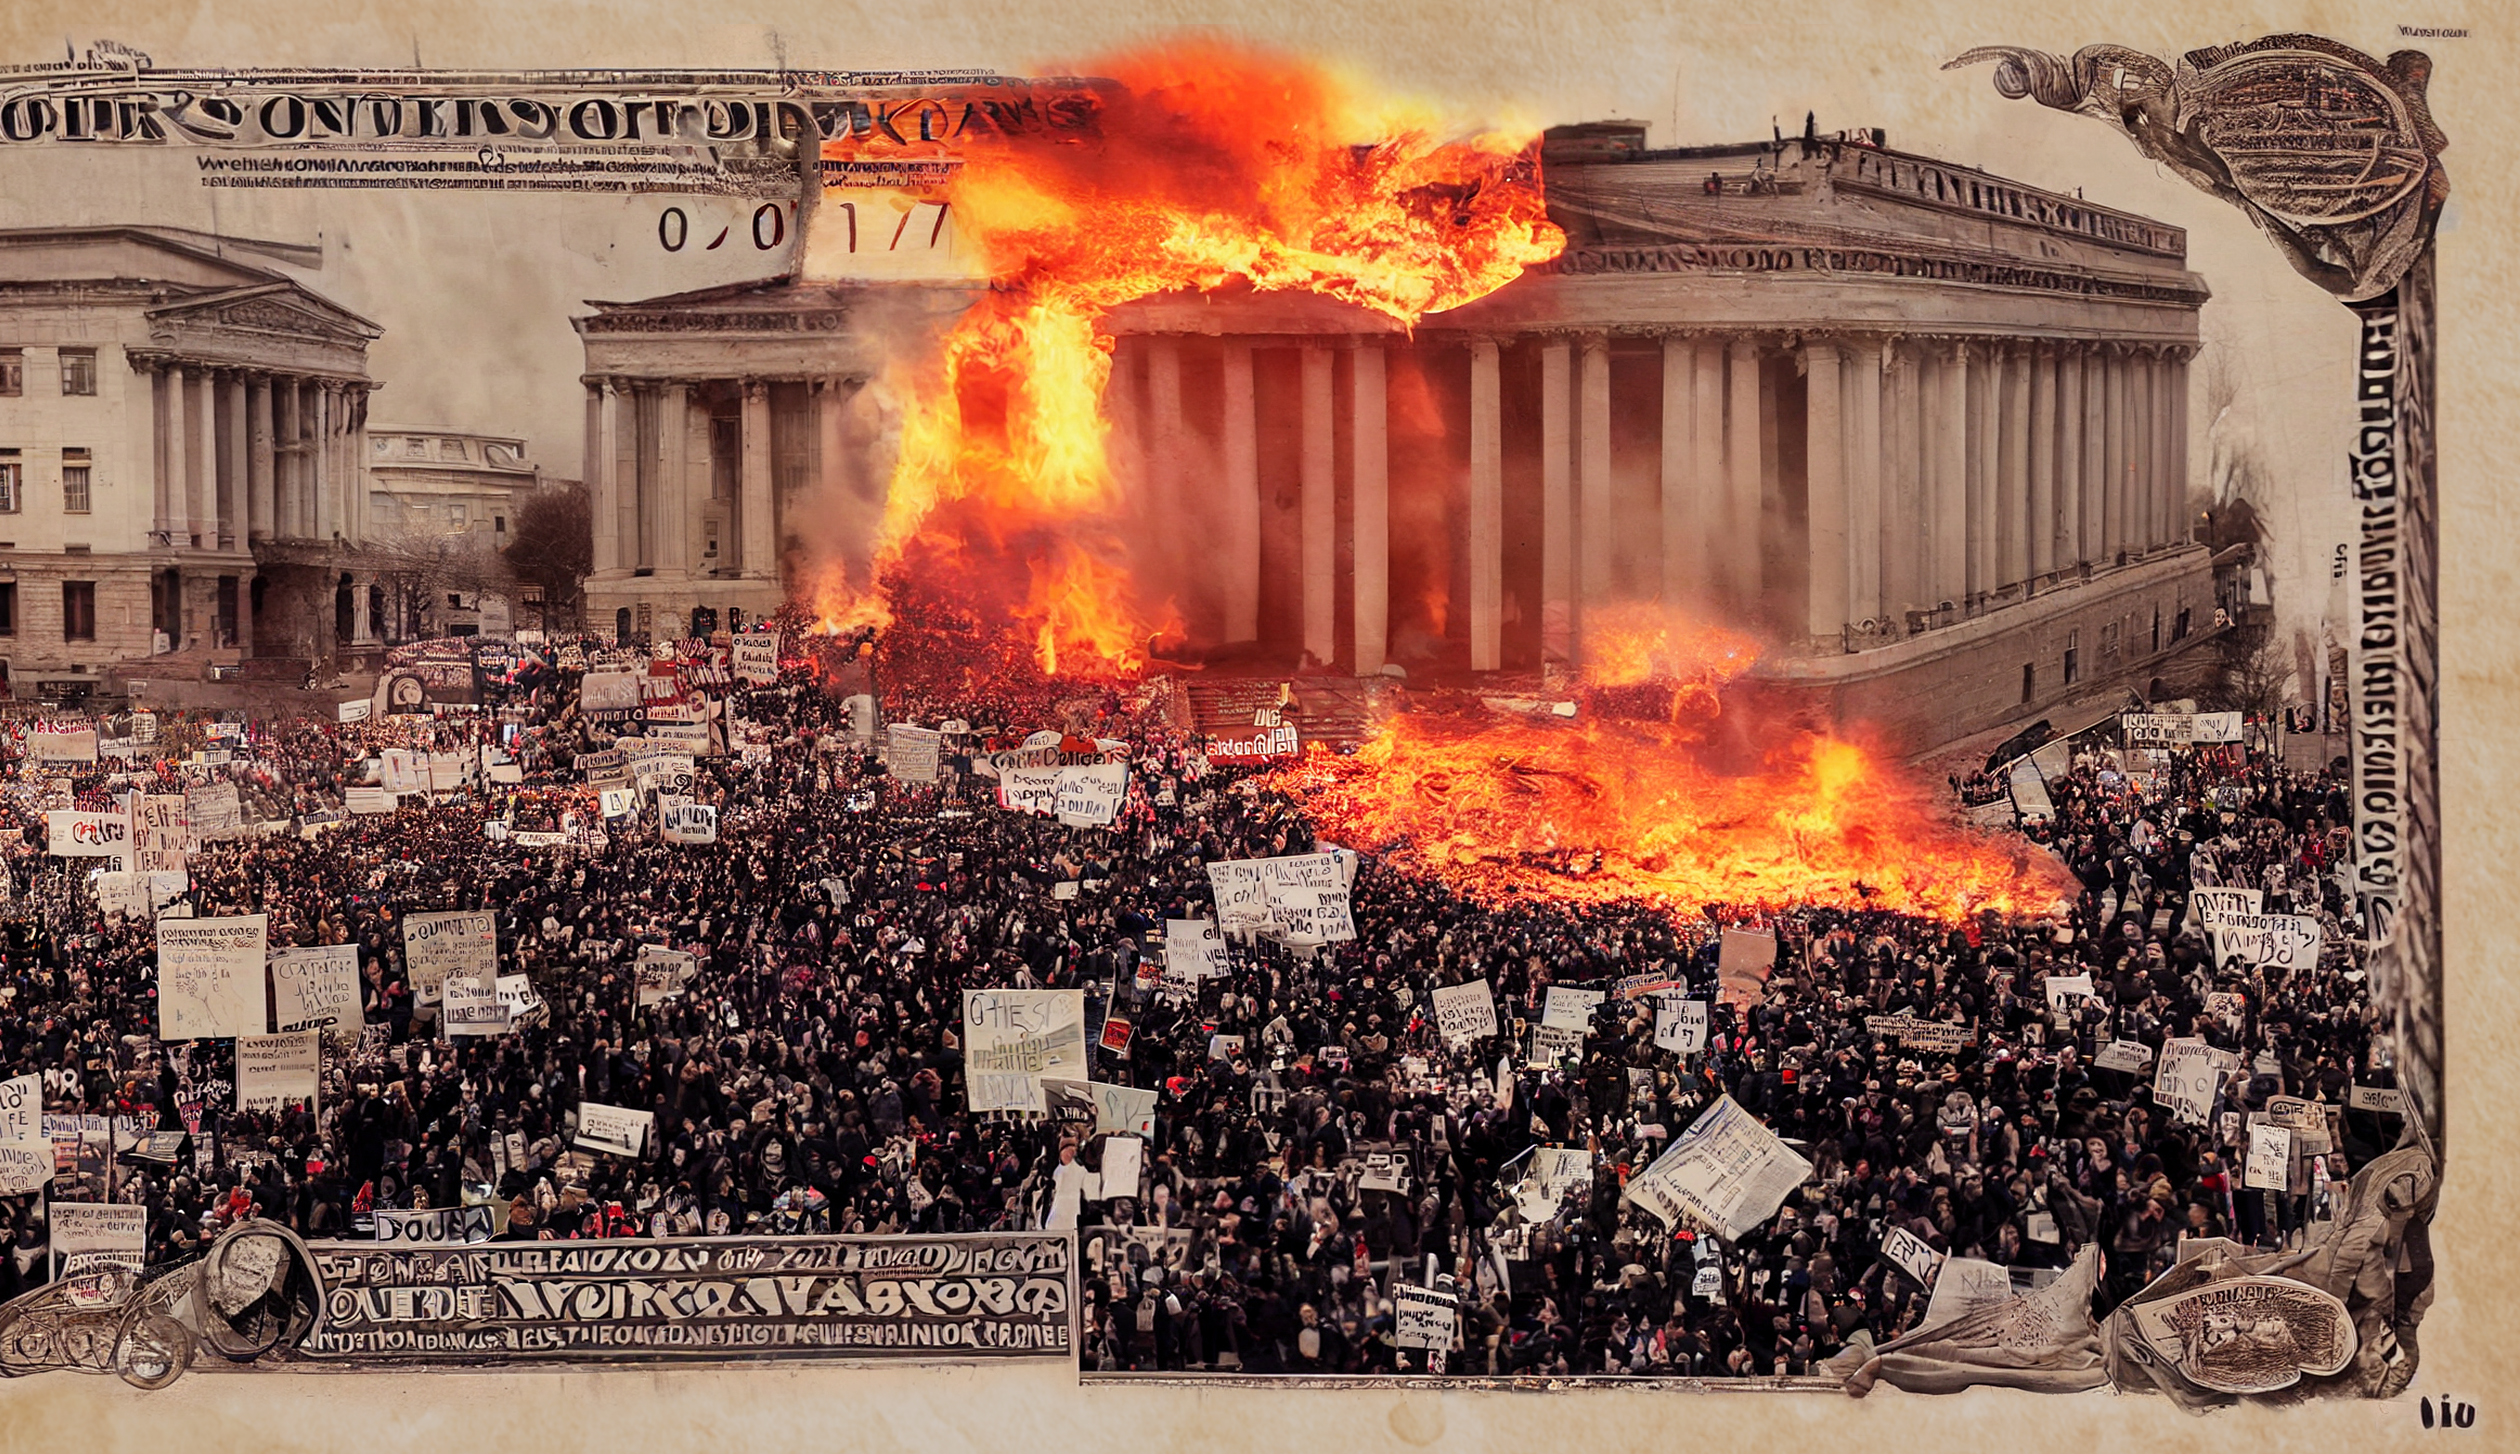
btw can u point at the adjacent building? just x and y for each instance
(181, 439)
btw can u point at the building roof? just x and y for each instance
(177, 273)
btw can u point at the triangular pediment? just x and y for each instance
(279, 308)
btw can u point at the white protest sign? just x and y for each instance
(126, 894)
(355, 710)
(2158, 729)
(1551, 1044)
(2284, 941)
(1090, 796)
(61, 744)
(617, 802)
(434, 1226)
(1680, 1026)
(615, 1129)
(1465, 1012)
(213, 811)
(73, 834)
(2209, 907)
(2269, 1165)
(609, 691)
(2186, 1079)
(1312, 916)
(316, 989)
(1910, 1254)
(2127, 1055)
(1012, 1038)
(273, 1071)
(1727, 1172)
(2066, 992)
(911, 753)
(1032, 790)
(661, 974)
(160, 841)
(87, 1236)
(210, 977)
(2382, 1099)
(26, 1152)
(1241, 887)
(756, 656)
(473, 1007)
(454, 942)
(1123, 1162)
(1567, 1008)
(1423, 1318)
(1194, 950)
(516, 991)
(688, 822)
(2213, 727)
(1123, 1108)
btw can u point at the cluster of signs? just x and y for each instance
(1084, 795)
(1300, 900)
(2180, 729)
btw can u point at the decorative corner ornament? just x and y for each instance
(2332, 153)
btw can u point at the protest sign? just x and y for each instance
(2066, 992)
(354, 710)
(615, 803)
(1680, 1026)
(213, 811)
(1465, 1012)
(992, 1294)
(609, 691)
(1727, 1173)
(210, 977)
(472, 1007)
(1311, 916)
(1241, 888)
(689, 822)
(159, 839)
(26, 1153)
(1032, 790)
(452, 942)
(2208, 907)
(613, 1129)
(2269, 1164)
(1964, 1285)
(434, 1226)
(516, 991)
(2382, 1099)
(756, 658)
(1123, 1166)
(1550, 1044)
(275, 1071)
(1910, 1254)
(2187, 1079)
(2295, 1113)
(1557, 1170)
(75, 834)
(1423, 1318)
(1743, 959)
(316, 989)
(126, 894)
(1915, 1033)
(2215, 727)
(367, 800)
(2283, 941)
(1117, 1109)
(61, 744)
(90, 1236)
(2157, 729)
(2127, 1055)
(1194, 950)
(911, 753)
(1568, 1008)
(1012, 1038)
(1090, 796)
(661, 974)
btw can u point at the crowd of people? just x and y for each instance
(1317, 1143)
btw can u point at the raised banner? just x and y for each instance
(160, 839)
(210, 977)
(1194, 950)
(911, 753)
(1032, 790)
(2286, 941)
(454, 942)
(1465, 1012)
(615, 1129)
(316, 989)
(71, 834)
(756, 658)
(1013, 1038)
(661, 974)
(1932, 1036)
(1089, 797)
(60, 744)
(959, 1296)
(1680, 1026)
(26, 1152)
(213, 811)
(695, 823)
(276, 1071)
(434, 1226)
(1242, 893)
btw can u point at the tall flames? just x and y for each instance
(1638, 803)
(1195, 168)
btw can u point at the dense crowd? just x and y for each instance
(809, 1077)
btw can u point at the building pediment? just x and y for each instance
(274, 309)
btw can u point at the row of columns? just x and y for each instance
(1942, 476)
(641, 474)
(242, 455)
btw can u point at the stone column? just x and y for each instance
(259, 460)
(1557, 504)
(673, 482)
(1487, 510)
(1903, 516)
(2182, 521)
(1737, 544)
(1165, 497)
(1824, 476)
(354, 465)
(362, 627)
(1863, 480)
(757, 552)
(327, 464)
(1595, 514)
(1321, 502)
(288, 457)
(2113, 534)
(2042, 540)
(603, 483)
(2095, 456)
(1986, 467)
(201, 420)
(245, 614)
(1949, 505)
(2069, 446)
(2165, 506)
(2012, 478)
(232, 466)
(1241, 537)
(1709, 487)
(1681, 569)
(162, 455)
(1369, 474)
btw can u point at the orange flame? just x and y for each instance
(1604, 810)
(1197, 167)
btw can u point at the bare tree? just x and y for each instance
(419, 569)
(554, 547)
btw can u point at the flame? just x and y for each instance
(1634, 643)
(1197, 167)
(1608, 809)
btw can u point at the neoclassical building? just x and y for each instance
(180, 450)
(1921, 429)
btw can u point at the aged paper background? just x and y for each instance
(1699, 73)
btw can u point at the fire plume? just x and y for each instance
(1610, 809)
(1193, 167)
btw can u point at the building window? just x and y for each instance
(12, 372)
(78, 371)
(78, 610)
(2073, 657)
(2029, 681)
(74, 481)
(499, 524)
(8, 608)
(12, 477)
(2109, 641)
(459, 516)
